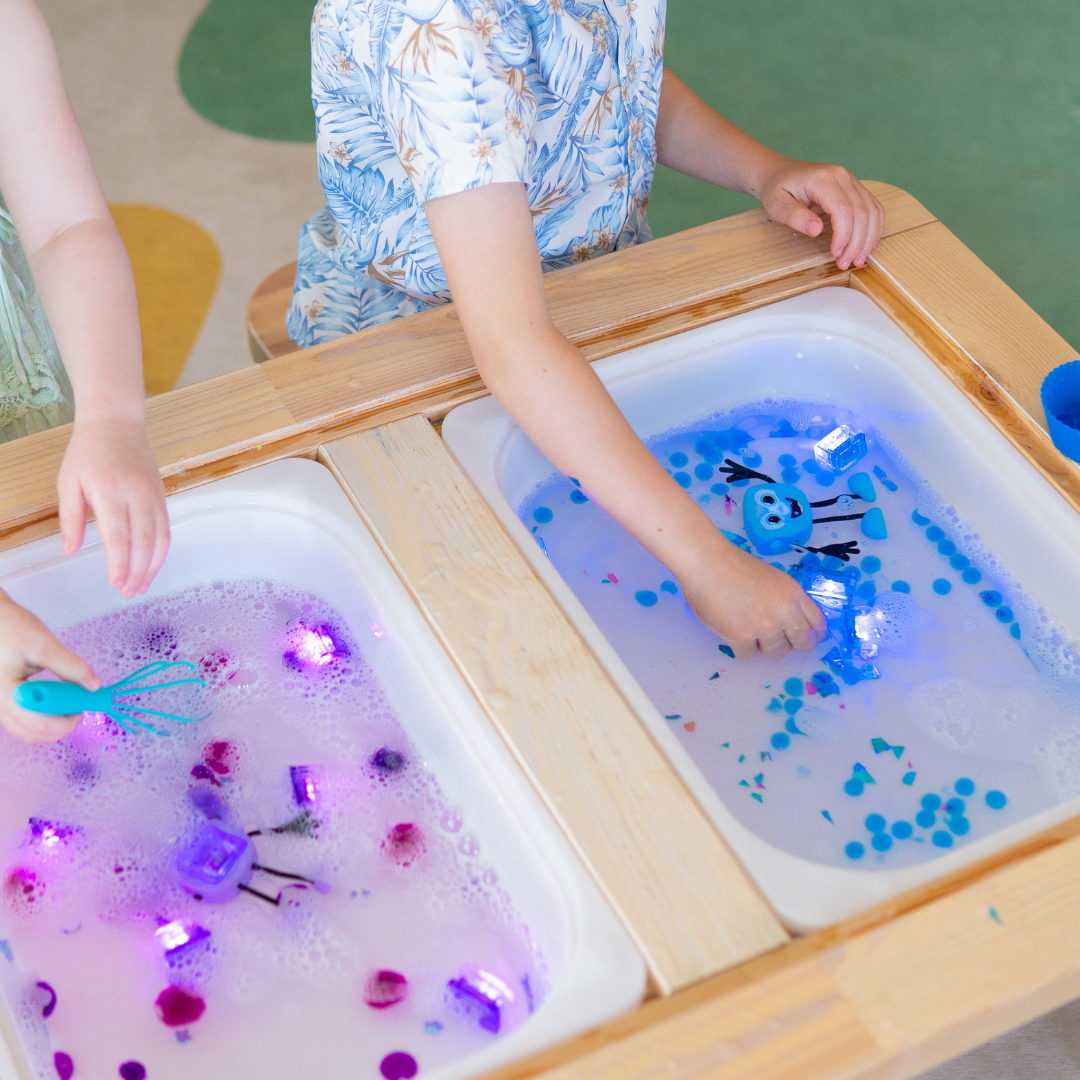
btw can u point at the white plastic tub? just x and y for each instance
(291, 523)
(833, 346)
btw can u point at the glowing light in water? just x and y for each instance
(306, 781)
(480, 994)
(50, 835)
(216, 863)
(313, 646)
(178, 938)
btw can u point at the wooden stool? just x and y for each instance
(267, 336)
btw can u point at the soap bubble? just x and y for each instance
(821, 724)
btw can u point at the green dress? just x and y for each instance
(35, 392)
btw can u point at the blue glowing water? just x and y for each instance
(976, 687)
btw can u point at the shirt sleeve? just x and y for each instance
(455, 97)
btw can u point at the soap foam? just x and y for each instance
(136, 797)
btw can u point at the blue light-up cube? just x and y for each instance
(216, 862)
(479, 994)
(834, 592)
(840, 449)
(776, 516)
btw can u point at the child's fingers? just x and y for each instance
(746, 649)
(876, 231)
(144, 528)
(874, 217)
(161, 542)
(43, 650)
(115, 528)
(858, 248)
(775, 645)
(802, 638)
(72, 512)
(795, 215)
(33, 728)
(841, 197)
(814, 617)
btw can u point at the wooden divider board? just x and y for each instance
(678, 889)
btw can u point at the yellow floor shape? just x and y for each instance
(177, 267)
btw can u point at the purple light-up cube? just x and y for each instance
(479, 994)
(313, 646)
(307, 781)
(216, 862)
(180, 939)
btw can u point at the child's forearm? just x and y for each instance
(488, 249)
(559, 401)
(83, 277)
(76, 256)
(693, 138)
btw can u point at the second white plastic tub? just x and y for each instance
(291, 524)
(836, 348)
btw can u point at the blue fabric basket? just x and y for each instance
(1061, 398)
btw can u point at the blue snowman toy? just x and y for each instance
(777, 517)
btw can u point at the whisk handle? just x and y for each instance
(56, 698)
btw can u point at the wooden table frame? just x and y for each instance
(887, 994)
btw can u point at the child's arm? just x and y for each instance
(695, 139)
(83, 277)
(27, 647)
(488, 249)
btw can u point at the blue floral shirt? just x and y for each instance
(416, 99)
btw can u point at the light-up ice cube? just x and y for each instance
(179, 939)
(306, 782)
(215, 863)
(480, 994)
(840, 449)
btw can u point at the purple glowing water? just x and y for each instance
(396, 884)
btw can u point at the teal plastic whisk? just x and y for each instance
(64, 698)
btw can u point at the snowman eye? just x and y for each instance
(765, 498)
(772, 521)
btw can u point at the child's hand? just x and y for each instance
(110, 467)
(26, 647)
(754, 607)
(796, 192)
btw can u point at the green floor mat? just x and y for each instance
(972, 107)
(246, 66)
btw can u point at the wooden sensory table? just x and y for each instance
(732, 993)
